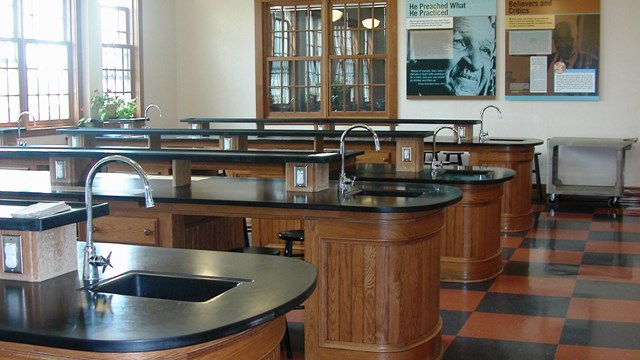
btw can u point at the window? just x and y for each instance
(36, 61)
(119, 48)
(327, 58)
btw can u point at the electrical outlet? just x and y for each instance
(12, 253)
(406, 154)
(300, 176)
(227, 143)
(61, 172)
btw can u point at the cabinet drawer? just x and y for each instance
(129, 230)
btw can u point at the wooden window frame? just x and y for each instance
(262, 19)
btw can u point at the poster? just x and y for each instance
(553, 49)
(451, 48)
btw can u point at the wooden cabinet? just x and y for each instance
(132, 230)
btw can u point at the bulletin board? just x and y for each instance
(451, 49)
(552, 49)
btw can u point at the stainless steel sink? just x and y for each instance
(388, 193)
(178, 287)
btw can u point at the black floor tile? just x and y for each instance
(482, 286)
(484, 349)
(453, 321)
(614, 236)
(552, 244)
(506, 253)
(611, 259)
(601, 334)
(539, 269)
(607, 290)
(517, 304)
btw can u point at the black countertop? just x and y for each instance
(349, 121)
(236, 192)
(77, 213)
(61, 313)
(265, 157)
(245, 132)
(448, 174)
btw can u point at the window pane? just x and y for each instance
(6, 25)
(44, 19)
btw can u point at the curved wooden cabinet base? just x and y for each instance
(378, 285)
(471, 270)
(470, 249)
(517, 214)
(260, 343)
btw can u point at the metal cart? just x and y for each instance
(555, 186)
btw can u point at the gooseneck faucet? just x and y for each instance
(91, 260)
(146, 110)
(434, 162)
(344, 181)
(484, 136)
(19, 141)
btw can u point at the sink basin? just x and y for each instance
(389, 193)
(177, 287)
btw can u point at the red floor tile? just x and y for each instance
(613, 247)
(460, 300)
(511, 242)
(547, 256)
(533, 286)
(446, 341)
(558, 234)
(609, 273)
(572, 352)
(513, 327)
(604, 310)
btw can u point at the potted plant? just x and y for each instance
(111, 106)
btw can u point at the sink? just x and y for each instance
(177, 287)
(389, 193)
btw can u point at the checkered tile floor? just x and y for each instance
(570, 289)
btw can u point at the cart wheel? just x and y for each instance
(613, 201)
(552, 198)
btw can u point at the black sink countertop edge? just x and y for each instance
(238, 192)
(62, 313)
(448, 174)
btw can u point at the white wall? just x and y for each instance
(215, 72)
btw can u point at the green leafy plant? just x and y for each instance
(112, 106)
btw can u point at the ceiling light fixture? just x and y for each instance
(370, 23)
(336, 15)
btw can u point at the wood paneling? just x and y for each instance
(260, 343)
(378, 285)
(470, 249)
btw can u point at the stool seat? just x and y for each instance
(449, 154)
(291, 235)
(256, 250)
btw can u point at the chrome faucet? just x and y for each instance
(345, 182)
(19, 141)
(434, 162)
(91, 260)
(484, 136)
(146, 111)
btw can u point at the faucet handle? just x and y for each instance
(99, 260)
